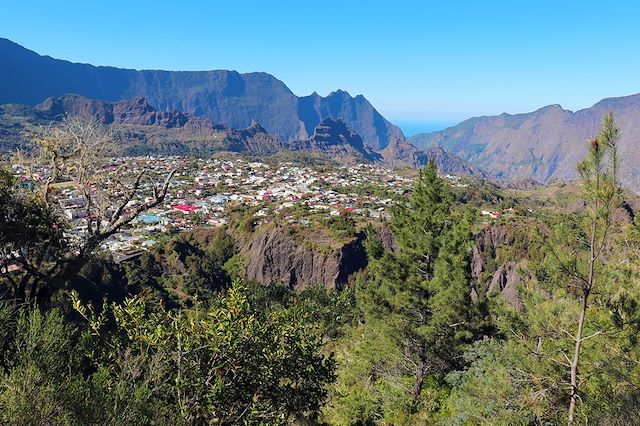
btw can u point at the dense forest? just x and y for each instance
(179, 336)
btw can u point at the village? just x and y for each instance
(204, 190)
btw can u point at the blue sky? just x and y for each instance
(422, 64)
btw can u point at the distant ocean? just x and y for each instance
(411, 127)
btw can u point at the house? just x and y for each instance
(184, 208)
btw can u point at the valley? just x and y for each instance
(186, 244)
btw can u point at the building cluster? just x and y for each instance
(204, 190)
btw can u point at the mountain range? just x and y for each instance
(233, 99)
(200, 112)
(147, 131)
(543, 145)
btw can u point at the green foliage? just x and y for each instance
(342, 227)
(418, 314)
(327, 310)
(226, 366)
(41, 379)
(31, 239)
(186, 267)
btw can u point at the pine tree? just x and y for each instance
(602, 193)
(420, 294)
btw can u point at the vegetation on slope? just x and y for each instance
(424, 335)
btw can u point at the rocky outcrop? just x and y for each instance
(386, 237)
(524, 184)
(273, 256)
(254, 140)
(505, 278)
(400, 153)
(505, 282)
(487, 242)
(132, 112)
(334, 139)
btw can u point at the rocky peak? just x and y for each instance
(254, 129)
(76, 106)
(335, 132)
(336, 139)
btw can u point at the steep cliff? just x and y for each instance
(272, 255)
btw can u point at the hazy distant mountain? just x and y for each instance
(233, 99)
(542, 145)
(400, 153)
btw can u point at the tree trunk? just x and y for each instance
(586, 291)
(576, 359)
(417, 387)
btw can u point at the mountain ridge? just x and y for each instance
(149, 131)
(543, 145)
(228, 97)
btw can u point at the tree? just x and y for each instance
(42, 367)
(31, 240)
(416, 301)
(77, 151)
(603, 195)
(227, 366)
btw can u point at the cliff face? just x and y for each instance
(228, 97)
(502, 278)
(487, 242)
(136, 111)
(271, 256)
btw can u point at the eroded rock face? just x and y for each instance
(400, 153)
(387, 239)
(487, 241)
(135, 111)
(505, 281)
(273, 256)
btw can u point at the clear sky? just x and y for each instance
(422, 64)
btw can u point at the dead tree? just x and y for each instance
(78, 151)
